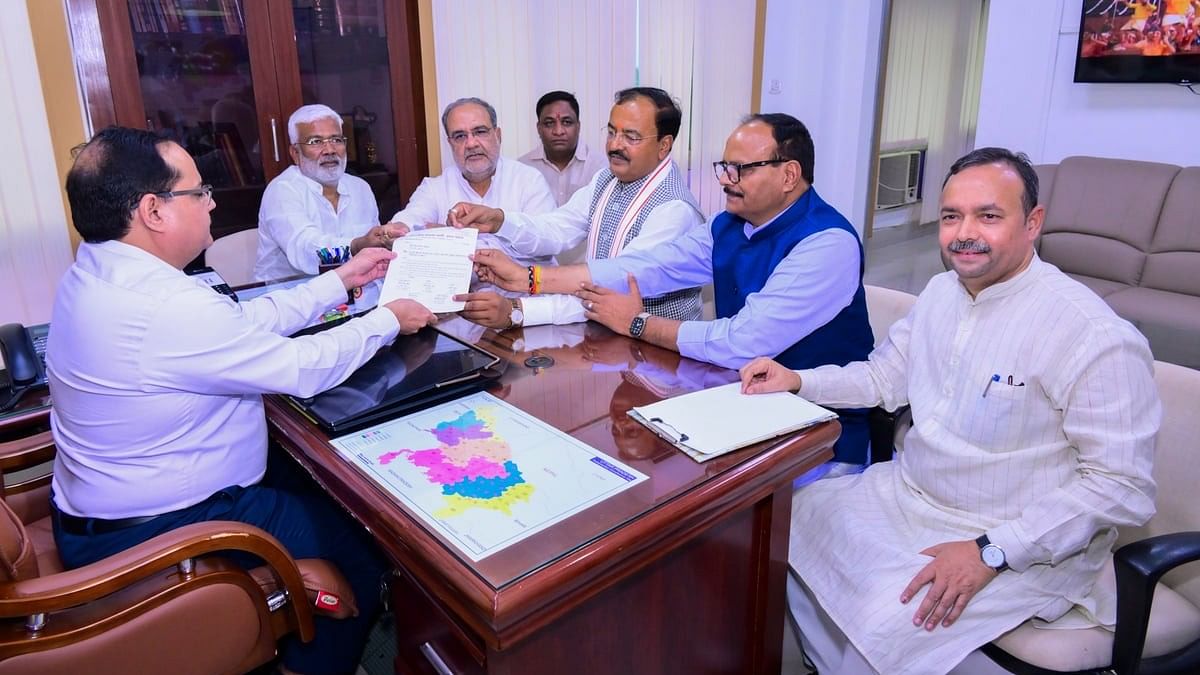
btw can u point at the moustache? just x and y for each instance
(617, 154)
(969, 246)
(731, 192)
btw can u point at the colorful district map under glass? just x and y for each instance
(484, 474)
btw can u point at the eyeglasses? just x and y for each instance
(314, 141)
(482, 133)
(630, 137)
(734, 171)
(204, 191)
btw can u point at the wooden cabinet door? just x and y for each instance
(221, 77)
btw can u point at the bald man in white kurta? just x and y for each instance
(1047, 464)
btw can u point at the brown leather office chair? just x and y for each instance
(164, 606)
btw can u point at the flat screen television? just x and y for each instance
(1139, 41)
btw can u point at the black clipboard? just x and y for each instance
(414, 372)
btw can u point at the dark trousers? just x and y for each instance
(306, 523)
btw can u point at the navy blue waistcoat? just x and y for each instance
(742, 266)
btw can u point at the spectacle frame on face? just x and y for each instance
(204, 191)
(630, 137)
(317, 141)
(482, 133)
(733, 171)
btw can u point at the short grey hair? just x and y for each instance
(307, 114)
(464, 101)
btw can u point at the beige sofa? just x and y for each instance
(1131, 232)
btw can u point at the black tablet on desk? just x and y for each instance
(414, 372)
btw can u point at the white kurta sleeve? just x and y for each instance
(422, 206)
(1111, 414)
(551, 232)
(287, 218)
(880, 380)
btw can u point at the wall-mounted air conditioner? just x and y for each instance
(899, 178)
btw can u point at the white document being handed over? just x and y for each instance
(431, 266)
(709, 423)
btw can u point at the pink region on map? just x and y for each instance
(465, 427)
(439, 470)
(387, 457)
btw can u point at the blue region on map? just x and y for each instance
(486, 488)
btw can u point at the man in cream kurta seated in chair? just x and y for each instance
(1035, 413)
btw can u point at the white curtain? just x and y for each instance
(932, 88)
(510, 52)
(34, 247)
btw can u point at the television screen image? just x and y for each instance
(1139, 41)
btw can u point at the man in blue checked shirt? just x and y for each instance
(786, 269)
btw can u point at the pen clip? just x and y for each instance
(658, 421)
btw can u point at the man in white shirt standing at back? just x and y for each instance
(314, 204)
(566, 162)
(480, 176)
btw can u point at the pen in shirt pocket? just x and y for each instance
(994, 378)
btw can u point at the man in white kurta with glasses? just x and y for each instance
(1034, 417)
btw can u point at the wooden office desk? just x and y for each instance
(683, 573)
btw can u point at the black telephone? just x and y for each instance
(210, 276)
(23, 351)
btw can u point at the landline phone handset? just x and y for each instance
(22, 362)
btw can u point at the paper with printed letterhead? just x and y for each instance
(431, 267)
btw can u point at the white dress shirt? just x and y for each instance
(566, 182)
(1047, 464)
(157, 379)
(295, 220)
(514, 187)
(567, 225)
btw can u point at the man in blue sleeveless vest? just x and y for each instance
(786, 269)
(638, 203)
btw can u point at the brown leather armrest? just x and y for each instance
(74, 587)
(27, 451)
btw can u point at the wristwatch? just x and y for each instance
(516, 317)
(638, 326)
(991, 554)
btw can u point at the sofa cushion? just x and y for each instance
(1110, 209)
(1087, 255)
(1174, 254)
(1152, 306)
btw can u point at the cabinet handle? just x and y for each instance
(435, 659)
(274, 139)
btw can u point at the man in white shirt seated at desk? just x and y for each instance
(480, 176)
(639, 203)
(1034, 416)
(314, 204)
(157, 380)
(566, 162)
